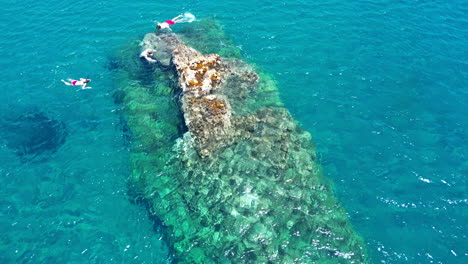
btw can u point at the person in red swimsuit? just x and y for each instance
(82, 82)
(166, 24)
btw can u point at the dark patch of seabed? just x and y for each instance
(33, 135)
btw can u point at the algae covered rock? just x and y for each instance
(207, 115)
(198, 74)
(242, 184)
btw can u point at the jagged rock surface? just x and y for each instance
(207, 115)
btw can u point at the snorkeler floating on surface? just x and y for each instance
(185, 18)
(147, 55)
(82, 82)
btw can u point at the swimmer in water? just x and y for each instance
(147, 55)
(82, 82)
(186, 17)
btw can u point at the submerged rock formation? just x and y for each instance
(241, 185)
(33, 135)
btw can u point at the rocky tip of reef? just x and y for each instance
(207, 115)
(163, 44)
(201, 77)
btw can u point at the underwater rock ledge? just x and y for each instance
(241, 185)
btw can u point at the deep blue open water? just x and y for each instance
(381, 85)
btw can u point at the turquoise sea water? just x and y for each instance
(380, 85)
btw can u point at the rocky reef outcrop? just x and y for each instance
(241, 185)
(206, 114)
